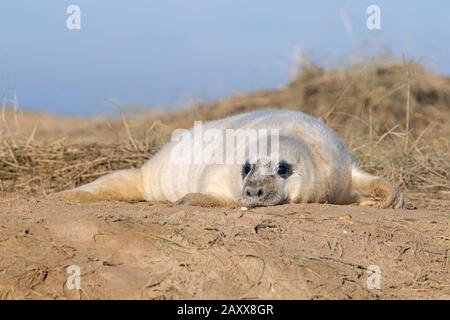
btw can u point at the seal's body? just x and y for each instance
(225, 165)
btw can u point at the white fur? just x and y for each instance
(164, 180)
(326, 171)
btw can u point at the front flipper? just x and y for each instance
(205, 200)
(122, 185)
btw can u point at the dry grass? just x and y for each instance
(392, 114)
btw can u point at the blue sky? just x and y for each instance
(169, 52)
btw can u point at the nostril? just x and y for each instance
(260, 193)
(254, 192)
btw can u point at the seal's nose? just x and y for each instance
(252, 192)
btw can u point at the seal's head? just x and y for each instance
(264, 183)
(274, 180)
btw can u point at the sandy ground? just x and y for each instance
(160, 251)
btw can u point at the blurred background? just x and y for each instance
(173, 52)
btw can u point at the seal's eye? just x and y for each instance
(246, 169)
(284, 170)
